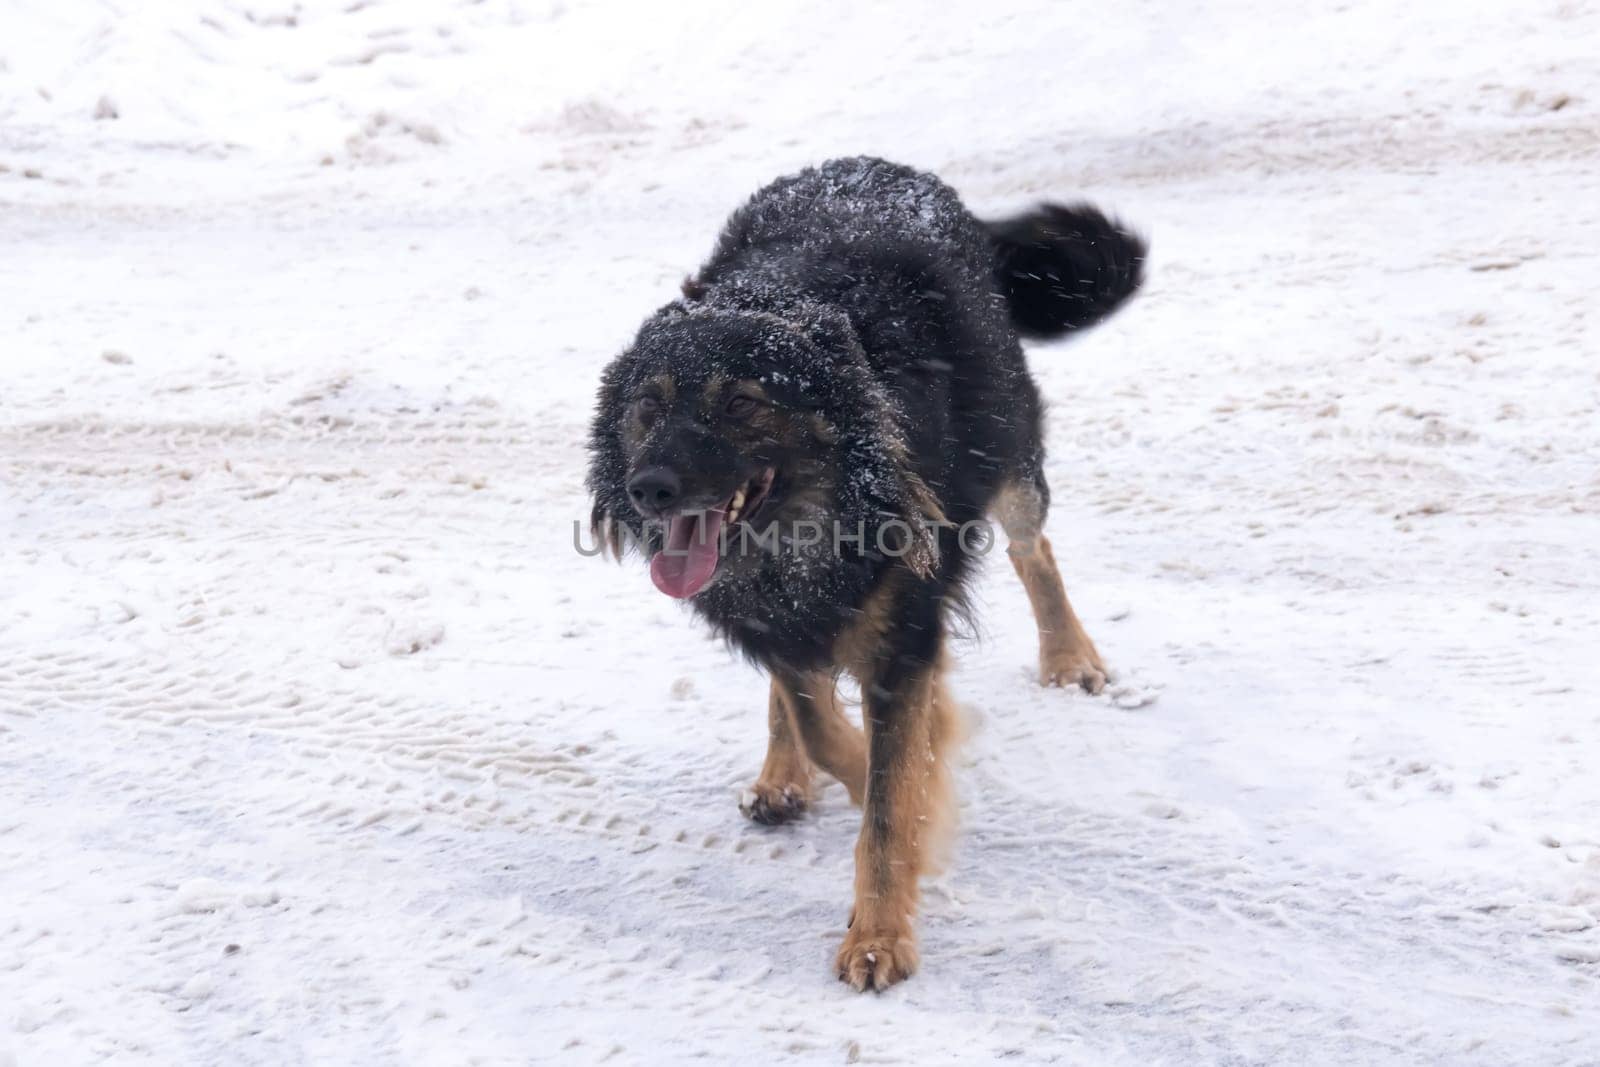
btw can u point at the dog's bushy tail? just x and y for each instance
(1065, 268)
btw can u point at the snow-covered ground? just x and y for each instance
(320, 743)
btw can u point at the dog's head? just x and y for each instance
(721, 423)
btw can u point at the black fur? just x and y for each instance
(1064, 268)
(863, 296)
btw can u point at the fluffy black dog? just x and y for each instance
(806, 445)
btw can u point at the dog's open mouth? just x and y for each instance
(688, 561)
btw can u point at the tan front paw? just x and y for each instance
(876, 961)
(770, 804)
(1078, 665)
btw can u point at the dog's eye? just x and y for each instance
(647, 405)
(740, 406)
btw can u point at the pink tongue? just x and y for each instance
(684, 567)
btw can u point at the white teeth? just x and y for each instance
(735, 505)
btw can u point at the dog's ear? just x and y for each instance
(606, 531)
(608, 466)
(880, 484)
(830, 330)
(914, 503)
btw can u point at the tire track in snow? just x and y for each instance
(1089, 923)
(1178, 900)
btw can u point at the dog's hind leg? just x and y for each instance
(1066, 655)
(783, 790)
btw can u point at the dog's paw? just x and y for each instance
(1080, 666)
(876, 961)
(771, 805)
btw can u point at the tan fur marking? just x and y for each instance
(666, 385)
(855, 648)
(924, 508)
(712, 393)
(830, 739)
(607, 532)
(717, 385)
(907, 822)
(909, 839)
(1066, 655)
(784, 788)
(822, 429)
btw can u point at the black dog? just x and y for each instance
(806, 445)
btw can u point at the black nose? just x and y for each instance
(654, 489)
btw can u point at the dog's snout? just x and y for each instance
(654, 489)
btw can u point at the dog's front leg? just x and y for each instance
(905, 816)
(784, 789)
(831, 740)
